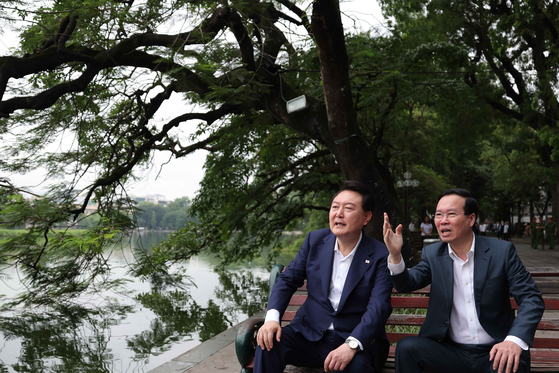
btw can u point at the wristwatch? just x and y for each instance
(352, 343)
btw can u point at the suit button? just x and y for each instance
(446, 323)
(321, 331)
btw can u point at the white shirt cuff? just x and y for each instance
(523, 345)
(272, 315)
(396, 269)
(358, 341)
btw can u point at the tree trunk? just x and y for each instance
(351, 151)
(555, 202)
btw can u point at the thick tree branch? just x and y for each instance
(118, 172)
(180, 151)
(485, 44)
(300, 13)
(125, 53)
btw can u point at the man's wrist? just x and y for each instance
(354, 343)
(272, 315)
(523, 345)
(396, 269)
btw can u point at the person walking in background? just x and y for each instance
(531, 231)
(499, 230)
(540, 233)
(506, 231)
(551, 230)
(426, 227)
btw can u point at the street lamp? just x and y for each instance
(407, 183)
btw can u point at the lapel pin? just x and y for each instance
(367, 261)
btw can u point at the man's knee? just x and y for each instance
(408, 345)
(361, 362)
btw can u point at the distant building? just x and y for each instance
(153, 198)
(91, 208)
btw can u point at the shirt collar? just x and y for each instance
(352, 253)
(470, 253)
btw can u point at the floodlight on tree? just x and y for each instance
(296, 104)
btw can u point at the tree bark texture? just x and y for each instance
(351, 151)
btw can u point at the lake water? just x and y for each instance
(134, 331)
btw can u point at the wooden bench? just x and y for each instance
(409, 313)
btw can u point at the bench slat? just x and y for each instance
(548, 287)
(399, 319)
(543, 271)
(546, 343)
(422, 302)
(548, 324)
(410, 302)
(550, 304)
(417, 320)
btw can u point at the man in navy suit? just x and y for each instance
(470, 325)
(340, 327)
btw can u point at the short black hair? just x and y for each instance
(470, 205)
(368, 201)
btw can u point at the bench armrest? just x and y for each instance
(245, 342)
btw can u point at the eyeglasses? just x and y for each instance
(449, 215)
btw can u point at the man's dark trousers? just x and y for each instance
(294, 349)
(419, 354)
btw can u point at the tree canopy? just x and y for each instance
(96, 88)
(506, 52)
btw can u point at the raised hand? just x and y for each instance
(393, 240)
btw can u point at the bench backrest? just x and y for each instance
(409, 309)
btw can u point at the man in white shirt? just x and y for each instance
(470, 325)
(340, 327)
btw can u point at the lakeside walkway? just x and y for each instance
(218, 353)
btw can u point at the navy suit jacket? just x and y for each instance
(365, 303)
(498, 273)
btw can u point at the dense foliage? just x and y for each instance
(506, 53)
(96, 88)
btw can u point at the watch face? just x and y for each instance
(353, 344)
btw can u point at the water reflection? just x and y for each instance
(242, 292)
(179, 315)
(126, 332)
(66, 340)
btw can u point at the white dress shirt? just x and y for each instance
(340, 269)
(465, 327)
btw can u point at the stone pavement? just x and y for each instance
(218, 353)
